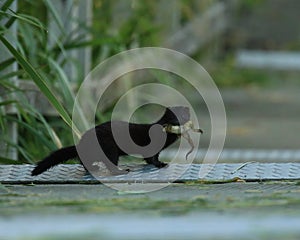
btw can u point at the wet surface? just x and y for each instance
(193, 226)
(213, 211)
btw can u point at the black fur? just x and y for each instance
(139, 134)
(55, 158)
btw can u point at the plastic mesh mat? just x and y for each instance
(75, 173)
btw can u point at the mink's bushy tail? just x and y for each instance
(55, 158)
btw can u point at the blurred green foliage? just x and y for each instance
(40, 62)
(247, 6)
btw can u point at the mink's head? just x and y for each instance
(176, 116)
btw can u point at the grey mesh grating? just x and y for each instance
(74, 173)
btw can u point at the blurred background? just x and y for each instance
(251, 49)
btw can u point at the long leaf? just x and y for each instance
(25, 18)
(27, 156)
(43, 140)
(41, 84)
(11, 75)
(51, 132)
(65, 84)
(6, 5)
(6, 63)
(5, 103)
(55, 15)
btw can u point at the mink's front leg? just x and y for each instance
(154, 160)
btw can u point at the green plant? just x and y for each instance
(42, 58)
(41, 64)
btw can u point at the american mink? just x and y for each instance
(139, 133)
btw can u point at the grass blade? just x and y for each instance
(6, 63)
(23, 17)
(63, 79)
(41, 84)
(55, 15)
(11, 75)
(6, 5)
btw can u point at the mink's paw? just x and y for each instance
(162, 165)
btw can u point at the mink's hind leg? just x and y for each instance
(110, 163)
(154, 161)
(111, 159)
(92, 156)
